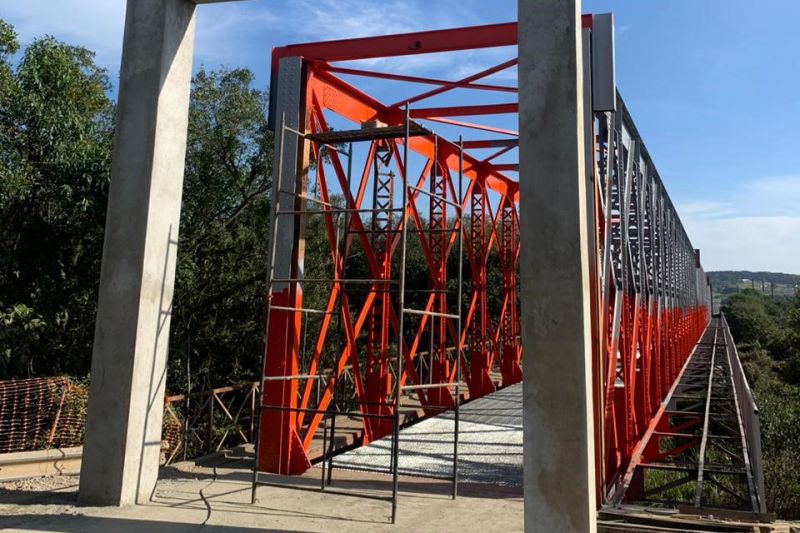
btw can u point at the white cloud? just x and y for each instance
(779, 194)
(707, 209)
(99, 25)
(757, 227)
(242, 33)
(95, 24)
(343, 19)
(227, 33)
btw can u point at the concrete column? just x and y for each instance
(126, 398)
(559, 465)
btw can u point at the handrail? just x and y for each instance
(750, 416)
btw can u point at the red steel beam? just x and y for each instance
(402, 44)
(417, 79)
(465, 111)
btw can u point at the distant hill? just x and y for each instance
(777, 284)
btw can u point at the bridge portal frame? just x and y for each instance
(306, 85)
(123, 428)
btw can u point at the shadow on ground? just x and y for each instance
(70, 523)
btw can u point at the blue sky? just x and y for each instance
(714, 87)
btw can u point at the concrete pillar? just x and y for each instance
(559, 470)
(126, 398)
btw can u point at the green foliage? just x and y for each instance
(217, 324)
(768, 335)
(779, 414)
(55, 148)
(56, 130)
(779, 286)
(755, 318)
(732, 277)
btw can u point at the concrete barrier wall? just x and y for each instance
(18, 465)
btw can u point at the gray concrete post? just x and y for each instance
(559, 470)
(126, 397)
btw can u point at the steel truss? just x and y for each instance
(650, 297)
(372, 318)
(367, 380)
(695, 452)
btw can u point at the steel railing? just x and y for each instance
(749, 416)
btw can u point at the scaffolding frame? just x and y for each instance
(376, 424)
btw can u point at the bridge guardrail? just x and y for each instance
(749, 413)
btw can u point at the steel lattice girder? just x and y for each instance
(650, 297)
(653, 297)
(325, 93)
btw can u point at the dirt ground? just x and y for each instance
(216, 498)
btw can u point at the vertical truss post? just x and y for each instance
(480, 382)
(378, 378)
(280, 449)
(438, 244)
(510, 350)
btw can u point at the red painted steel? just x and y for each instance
(643, 332)
(372, 372)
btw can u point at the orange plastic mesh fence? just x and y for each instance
(41, 413)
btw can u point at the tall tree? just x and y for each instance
(55, 145)
(56, 130)
(217, 327)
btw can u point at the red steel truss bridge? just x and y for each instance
(393, 279)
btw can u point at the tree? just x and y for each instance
(217, 325)
(55, 146)
(56, 131)
(767, 336)
(793, 340)
(755, 318)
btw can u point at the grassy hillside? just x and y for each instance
(775, 284)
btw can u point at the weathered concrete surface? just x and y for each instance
(56, 461)
(123, 429)
(216, 499)
(189, 499)
(557, 415)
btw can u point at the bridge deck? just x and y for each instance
(695, 455)
(489, 448)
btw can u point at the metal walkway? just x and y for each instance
(489, 447)
(699, 450)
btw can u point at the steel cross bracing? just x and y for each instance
(362, 321)
(695, 452)
(366, 379)
(384, 338)
(652, 297)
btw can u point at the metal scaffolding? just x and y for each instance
(365, 369)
